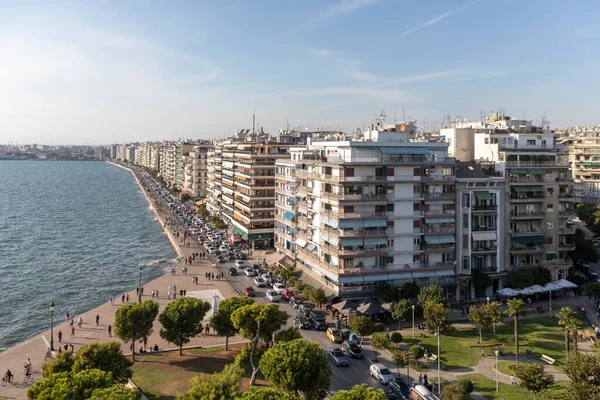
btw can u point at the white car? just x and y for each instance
(273, 296)
(278, 287)
(570, 221)
(266, 277)
(239, 264)
(212, 250)
(259, 282)
(224, 248)
(381, 373)
(249, 272)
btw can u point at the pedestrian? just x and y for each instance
(207, 330)
(68, 316)
(71, 322)
(420, 379)
(180, 293)
(157, 293)
(174, 295)
(512, 380)
(142, 290)
(482, 353)
(137, 291)
(72, 348)
(123, 298)
(212, 276)
(169, 294)
(59, 336)
(152, 293)
(72, 331)
(97, 319)
(184, 293)
(174, 288)
(127, 298)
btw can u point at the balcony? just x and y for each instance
(439, 247)
(439, 195)
(484, 249)
(566, 231)
(438, 178)
(358, 250)
(556, 163)
(487, 268)
(566, 247)
(481, 207)
(441, 213)
(534, 232)
(391, 159)
(527, 250)
(566, 196)
(480, 228)
(432, 230)
(523, 198)
(524, 181)
(527, 215)
(362, 232)
(363, 197)
(363, 214)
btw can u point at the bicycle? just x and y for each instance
(48, 355)
(6, 380)
(26, 378)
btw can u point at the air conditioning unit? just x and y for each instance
(427, 171)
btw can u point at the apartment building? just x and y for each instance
(356, 214)
(243, 187)
(584, 156)
(195, 176)
(481, 227)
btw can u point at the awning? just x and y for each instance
(418, 150)
(376, 278)
(533, 289)
(346, 224)
(484, 213)
(439, 220)
(529, 220)
(333, 240)
(521, 189)
(564, 284)
(551, 256)
(551, 286)
(508, 292)
(439, 201)
(519, 171)
(483, 195)
(394, 150)
(441, 239)
(375, 241)
(536, 189)
(280, 225)
(484, 236)
(243, 234)
(351, 279)
(375, 223)
(301, 242)
(445, 272)
(370, 308)
(400, 276)
(289, 215)
(311, 247)
(423, 274)
(300, 195)
(529, 239)
(536, 171)
(331, 222)
(352, 242)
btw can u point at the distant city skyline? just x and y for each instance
(114, 72)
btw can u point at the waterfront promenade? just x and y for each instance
(35, 348)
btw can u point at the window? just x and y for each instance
(531, 142)
(390, 224)
(389, 260)
(416, 189)
(416, 223)
(550, 191)
(465, 263)
(416, 258)
(349, 263)
(348, 209)
(466, 200)
(327, 257)
(390, 172)
(390, 242)
(549, 240)
(417, 241)
(327, 206)
(549, 207)
(417, 172)
(465, 218)
(349, 171)
(327, 170)
(416, 206)
(550, 225)
(390, 207)
(465, 240)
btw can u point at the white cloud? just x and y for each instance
(346, 6)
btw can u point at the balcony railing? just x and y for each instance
(489, 268)
(435, 178)
(363, 197)
(566, 231)
(478, 207)
(440, 212)
(527, 197)
(363, 214)
(527, 214)
(439, 195)
(556, 163)
(527, 180)
(525, 249)
(532, 232)
(565, 195)
(484, 249)
(435, 230)
(566, 246)
(484, 227)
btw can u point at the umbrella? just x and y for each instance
(508, 292)
(344, 304)
(564, 284)
(370, 308)
(537, 289)
(551, 286)
(348, 311)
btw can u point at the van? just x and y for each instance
(420, 392)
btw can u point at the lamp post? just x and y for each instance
(550, 293)
(488, 300)
(140, 287)
(496, 353)
(52, 326)
(413, 317)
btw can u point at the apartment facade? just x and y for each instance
(195, 175)
(361, 213)
(584, 156)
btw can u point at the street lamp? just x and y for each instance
(413, 315)
(496, 353)
(52, 326)
(550, 293)
(488, 300)
(140, 287)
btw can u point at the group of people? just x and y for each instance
(210, 276)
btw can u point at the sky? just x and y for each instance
(115, 71)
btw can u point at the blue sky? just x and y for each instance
(115, 71)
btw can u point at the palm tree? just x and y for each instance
(516, 307)
(574, 325)
(565, 315)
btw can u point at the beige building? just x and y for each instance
(195, 175)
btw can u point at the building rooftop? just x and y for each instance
(469, 170)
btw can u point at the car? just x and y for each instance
(256, 267)
(232, 271)
(249, 271)
(295, 301)
(335, 335)
(224, 249)
(258, 281)
(240, 264)
(273, 296)
(305, 308)
(381, 373)
(287, 294)
(249, 291)
(302, 322)
(318, 319)
(212, 250)
(241, 256)
(400, 389)
(338, 357)
(220, 259)
(279, 287)
(352, 349)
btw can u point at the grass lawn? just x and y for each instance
(487, 388)
(540, 335)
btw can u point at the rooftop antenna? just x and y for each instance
(287, 123)
(253, 116)
(403, 120)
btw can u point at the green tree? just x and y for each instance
(585, 212)
(592, 289)
(493, 310)
(317, 296)
(436, 318)
(224, 385)
(541, 275)
(361, 325)
(267, 393)
(63, 362)
(417, 351)
(221, 320)
(182, 320)
(454, 392)
(378, 327)
(255, 321)
(287, 335)
(480, 318)
(516, 307)
(360, 392)
(396, 338)
(133, 322)
(410, 290)
(466, 385)
(519, 278)
(379, 341)
(398, 359)
(105, 357)
(117, 392)
(584, 368)
(431, 293)
(564, 316)
(481, 280)
(286, 273)
(401, 311)
(533, 378)
(585, 251)
(386, 293)
(307, 291)
(297, 366)
(574, 325)
(69, 386)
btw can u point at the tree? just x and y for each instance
(431, 293)
(417, 351)
(289, 334)
(378, 327)
(105, 357)
(398, 359)
(317, 296)
(585, 212)
(307, 290)
(533, 378)
(286, 273)
(585, 251)
(481, 280)
(255, 321)
(396, 338)
(454, 392)
(519, 278)
(592, 289)
(182, 320)
(379, 341)
(267, 393)
(63, 362)
(574, 325)
(516, 307)
(410, 290)
(466, 385)
(436, 318)
(386, 293)
(401, 310)
(221, 320)
(119, 392)
(66, 385)
(133, 322)
(360, 392)
(297, 366)
(362, 325)
(564, 316)
(224, 385)
(493, 310)
(584, 368)
(480, 318)
(541, 275)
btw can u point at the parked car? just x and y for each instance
(279, 287)
(338, 357)
(318, 319)
(400, 389)
(334, 335)
(258, 281)
(249, 271)
(302, 322)
(240, 264)
(233, 271)
(249, 291)
(287, 294)
(295, 301)
(220, 259)
(273, 296)
(305, 308)
(381, 373)
(352, 349)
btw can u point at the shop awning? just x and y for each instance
(375, 241)
(519, 171)
(289, 215)
(441, 239)
(484, 236)
(483, 195)
(439, 220)
(565, 284)
(551, 256)
(445, 272)
(418, 150)
(301, 242)
(349, 224)
(375, 223)
(439, 201)
(529, 239)
(400, 276)
(376, 278)
(536, 171)
(352, 242)
(536, 189)
(484, 213)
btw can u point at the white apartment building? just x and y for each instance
(584, 156)
(195, 175)
(361, 213)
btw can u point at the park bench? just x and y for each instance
(432, 357)
(547, 359)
